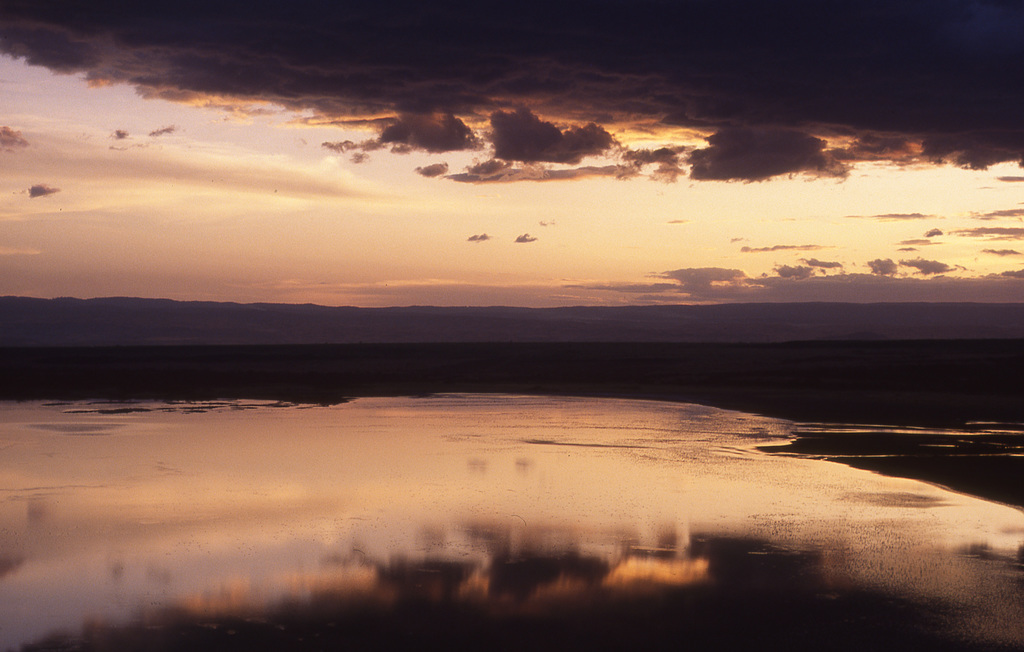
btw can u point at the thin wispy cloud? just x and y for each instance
(1002, 252)
(894, 217)
(758, 250)
(993, 233)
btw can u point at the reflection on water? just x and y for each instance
(494, 521)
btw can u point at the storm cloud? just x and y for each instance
(779, 88)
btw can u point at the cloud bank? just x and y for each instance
(851, 80)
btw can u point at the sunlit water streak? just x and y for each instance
(110, 513)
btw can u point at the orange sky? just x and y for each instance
(111, 188)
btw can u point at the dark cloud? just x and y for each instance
(750, 154)
(993, 233)
(119, 134)
(896, 80)
(526, 237)
(822, 264)
(521, 136)
(41, 190)
(434, 170)
(163, 131)
(1012, 179)
(482, 237)
(876, 147)
(796, 272)
(933, 233)
(667, 162)
(883, 267)
(917, 242)
(1002, 252)
(1017, 273)
(11, 140)
(431, 132)
(757, 250)
(927, 267)
(489, 168)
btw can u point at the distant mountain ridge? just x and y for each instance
(121, 321)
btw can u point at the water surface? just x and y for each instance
(192, 524)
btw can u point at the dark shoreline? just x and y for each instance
(928, 384)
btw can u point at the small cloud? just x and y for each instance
(1011, 179)
(526, 237)
(41, 190)
(688, 221)
(11, 140)
(796, 272)
(822, 264)
(927, 267)
(341, 146)
(883, 267)
(907, 249)
(914, 242)
(482, 237)
(119, 134)
(163, 131)
(489, 168)
(434, 170)
(359, 157)
(758, 250)
(547, 223)
(1002, 252)
(933, 233)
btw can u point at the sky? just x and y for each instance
(528, 154)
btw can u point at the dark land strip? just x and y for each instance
(933, 383)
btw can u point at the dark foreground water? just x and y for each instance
(486, 521)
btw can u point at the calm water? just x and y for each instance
(164, 522)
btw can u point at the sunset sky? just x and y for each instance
(530, 153)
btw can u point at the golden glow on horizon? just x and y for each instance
(190, 203)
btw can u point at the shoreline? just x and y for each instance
(920, 384)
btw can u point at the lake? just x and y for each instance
(505, 521)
